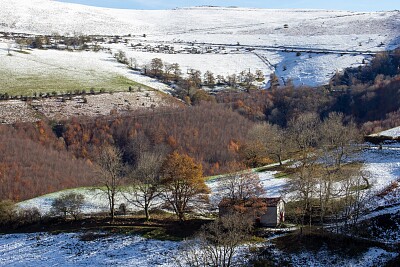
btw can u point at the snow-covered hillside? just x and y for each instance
(251, 38)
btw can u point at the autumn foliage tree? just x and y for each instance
(183, 183)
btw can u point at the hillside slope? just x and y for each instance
(306, 46)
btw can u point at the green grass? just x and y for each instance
(150, 232)
(22, 52)
(280, 175)
(28, 84)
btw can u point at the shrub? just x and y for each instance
(68, 205)
(7, 212)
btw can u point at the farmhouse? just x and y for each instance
(269, 212)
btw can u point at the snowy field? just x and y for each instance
(328, 40)
(60, 71)
(42, 249)
(394, 132)
(382, 166)
(372, 258)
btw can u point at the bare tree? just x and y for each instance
(121, 57)
(304, 136)
(249, 79)
(272, 139)
(220, 79)
(111, 178)
(259, 75)
(241, 186)
(176, 70)
(338, 143)
(209, 79)
(133, 63)
(156, 67)
(195, 78)
(274, 81)
(355, 195)
(145, 182)
(218, 242)
(338, 140)
(232, 80)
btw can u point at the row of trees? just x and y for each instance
(187, 85)
(174, 179)
(324, 181)
(177, 179)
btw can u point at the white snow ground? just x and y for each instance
(373, 257)
(42, 249)
(394, 132)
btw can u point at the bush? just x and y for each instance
(29, 216)
(68, 205)
(7, 212)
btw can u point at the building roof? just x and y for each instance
(269, 201)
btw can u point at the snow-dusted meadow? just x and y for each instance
(52, 70)
(43, 249)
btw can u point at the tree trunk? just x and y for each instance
(146, 212)
(112, 208)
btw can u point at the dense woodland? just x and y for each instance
(34, 162)
(216, 130)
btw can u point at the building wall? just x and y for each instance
(270, 218)
(281, 209)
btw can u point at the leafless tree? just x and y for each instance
(304, 137)
(259, 75)
(232, 80)
(156, 67)
(218, 242)
(249, 79)
(272, 139)
(111, 176)
(133, 63)
(241, 186)
(145, 185)
(195, 78)
(338, 141)
(209, 78)
(355, 194)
